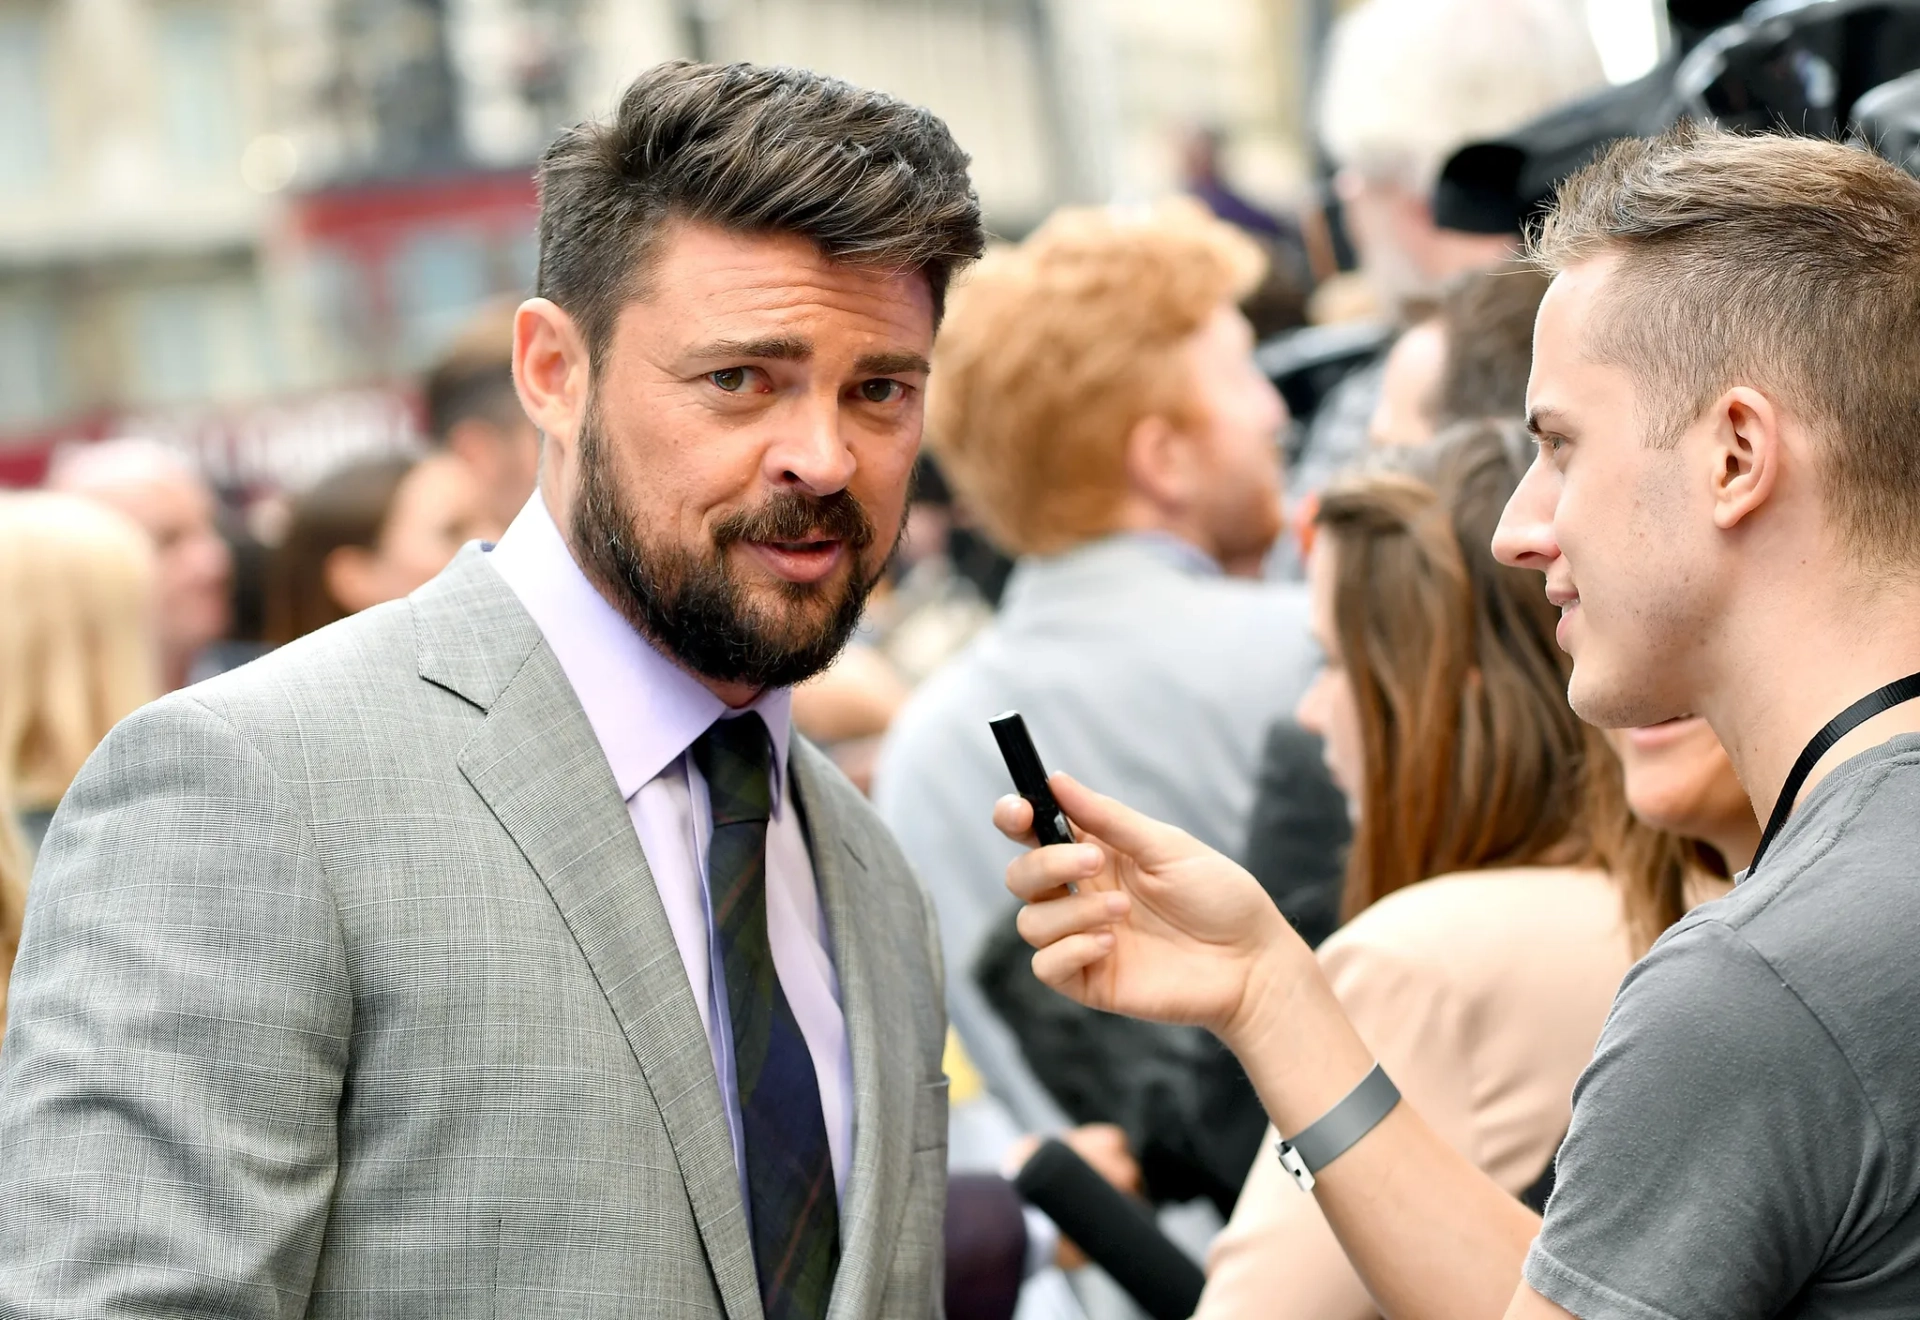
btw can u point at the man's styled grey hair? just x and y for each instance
(869, 178)
(1409, 82)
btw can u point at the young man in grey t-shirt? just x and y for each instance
(1726, 506)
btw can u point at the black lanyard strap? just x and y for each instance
(1899, 691)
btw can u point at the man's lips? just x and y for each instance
(1568, 601)
(1653, 736)
(799, 561)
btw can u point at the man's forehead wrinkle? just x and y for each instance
(761, 309)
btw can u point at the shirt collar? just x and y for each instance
(1172, 550)
(645, 710)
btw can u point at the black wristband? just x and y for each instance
(1330, 1135)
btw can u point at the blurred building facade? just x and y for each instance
(243, 225)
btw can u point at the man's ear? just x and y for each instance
(1160, 463)
(551, 370)
(1748, 451)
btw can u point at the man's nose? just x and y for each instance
(810, 453)
(1524, 537)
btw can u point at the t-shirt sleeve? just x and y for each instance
(1717, 1145)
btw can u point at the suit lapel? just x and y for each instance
(873, 999)
(536, 764)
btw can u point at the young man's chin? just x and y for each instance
(1608, 699)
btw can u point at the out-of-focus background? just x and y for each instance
(244, 227)
(257, 265)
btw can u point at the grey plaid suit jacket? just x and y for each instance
(345, 991)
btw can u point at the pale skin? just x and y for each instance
(194, 569)
(1409, 387)
(438, 508)
(1678, 779)
(1401, 249)
(1706, 578)
(504, 459)
(751, 364)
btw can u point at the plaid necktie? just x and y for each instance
(791, 1201)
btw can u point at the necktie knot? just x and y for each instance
(736, 757)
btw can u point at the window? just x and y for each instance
(199, 95)
(208, 340)
(31, 370)
(172, 355)
(439, 276)
(25, 149)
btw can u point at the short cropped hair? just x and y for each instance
(1788, 263)
(1055, 349)
(1409, 82)
(870, 179)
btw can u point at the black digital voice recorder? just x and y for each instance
(1030, 777)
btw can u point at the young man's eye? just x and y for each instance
(882, 390)
(731, 379)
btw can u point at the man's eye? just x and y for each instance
(881, 390)
(730, 379)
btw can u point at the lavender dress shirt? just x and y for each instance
(646, 712)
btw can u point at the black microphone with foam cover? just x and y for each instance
(1117, 1232)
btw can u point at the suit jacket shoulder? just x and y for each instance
(346, 991)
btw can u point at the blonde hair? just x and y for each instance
(77, 655)
(1053, 350)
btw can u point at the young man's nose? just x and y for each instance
(1524, 538)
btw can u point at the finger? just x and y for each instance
(1141, 837)
(1033, 876)
(1047, 923)
(1013, 817)
(1060, 965)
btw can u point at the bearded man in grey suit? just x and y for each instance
(497, 951)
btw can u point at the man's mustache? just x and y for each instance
(793, 516)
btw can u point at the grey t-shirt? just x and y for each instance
(1744, 1142)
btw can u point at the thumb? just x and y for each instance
(1147, 841)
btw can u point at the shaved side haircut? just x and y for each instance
(1788, 263)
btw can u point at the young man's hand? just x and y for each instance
(1161, 926)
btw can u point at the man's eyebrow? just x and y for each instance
(1541, 419)
(779, 348)
(892, 364)
(791, 348)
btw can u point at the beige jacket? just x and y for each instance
(1483, 995)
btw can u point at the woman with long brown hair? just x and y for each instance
(1497, 889)
(368, 532)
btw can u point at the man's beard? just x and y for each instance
(693, 606)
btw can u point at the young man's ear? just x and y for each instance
(1748, 452)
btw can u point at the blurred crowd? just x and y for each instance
(1283, 632)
